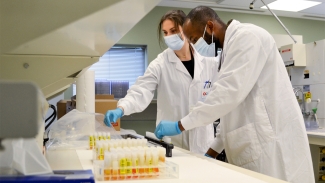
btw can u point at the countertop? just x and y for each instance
(316, 137)
(192, 167)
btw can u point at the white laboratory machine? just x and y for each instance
(307, 73)
(22, 112)
(309, 77)
(52, 43)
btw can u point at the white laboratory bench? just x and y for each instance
(316, 137)
(192, 167)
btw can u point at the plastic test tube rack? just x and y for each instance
(121, 159)
(167, 170)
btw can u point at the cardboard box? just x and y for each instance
(61, 108)
(104, 96)
(101, 106)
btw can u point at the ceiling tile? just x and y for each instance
(317, 10)
(245, 3)
(323, 1)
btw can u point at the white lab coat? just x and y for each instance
(177, 93)
(262, 127)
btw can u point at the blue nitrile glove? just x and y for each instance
(113, 116)
(167, 128)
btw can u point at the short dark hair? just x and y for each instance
(201, 15)
(176, 16)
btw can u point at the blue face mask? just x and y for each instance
(174, 42)
(203, 48)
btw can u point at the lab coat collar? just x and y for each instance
(198, 65)
(232, 28)
(171, 55)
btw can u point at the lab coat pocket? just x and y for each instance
(245, 146)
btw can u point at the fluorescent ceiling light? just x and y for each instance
(291, 5)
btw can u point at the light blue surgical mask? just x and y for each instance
(174, 42)
(203, 48)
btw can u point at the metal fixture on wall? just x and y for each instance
(251, 6)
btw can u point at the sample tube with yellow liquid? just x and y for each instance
(95, 139)
(114, 170)
(97, 150)
(107, 166)
(108, 136)
(101, 151)
(128, 165)
(91, 141)
(135, 164)
(155, 159)
(162, 152)
(141, 164)
(100, 136)
(149, 168)
(122, 163)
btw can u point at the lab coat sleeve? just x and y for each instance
(141, 93)
(244, 60)
(217, 144)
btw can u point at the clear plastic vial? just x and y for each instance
(128, 164)
(122, 167)
(115, 170)
(100, 136)
(162, 154)
(148, 163)
(95, 138)
(141, 163)
(155, 159)
(97, 149)
(135, 164)
(101, 151)
(108, 136)
(91, 141)
(107, 166)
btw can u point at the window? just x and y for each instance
(121, 64)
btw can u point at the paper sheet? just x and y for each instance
(86, 92)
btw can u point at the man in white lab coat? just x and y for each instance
(262, 127)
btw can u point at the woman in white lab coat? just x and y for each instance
(171, 73)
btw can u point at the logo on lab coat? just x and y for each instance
(205, 93)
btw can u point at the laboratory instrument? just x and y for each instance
(21, 156)
(59, 47)
(165, 142)
(308, 81)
